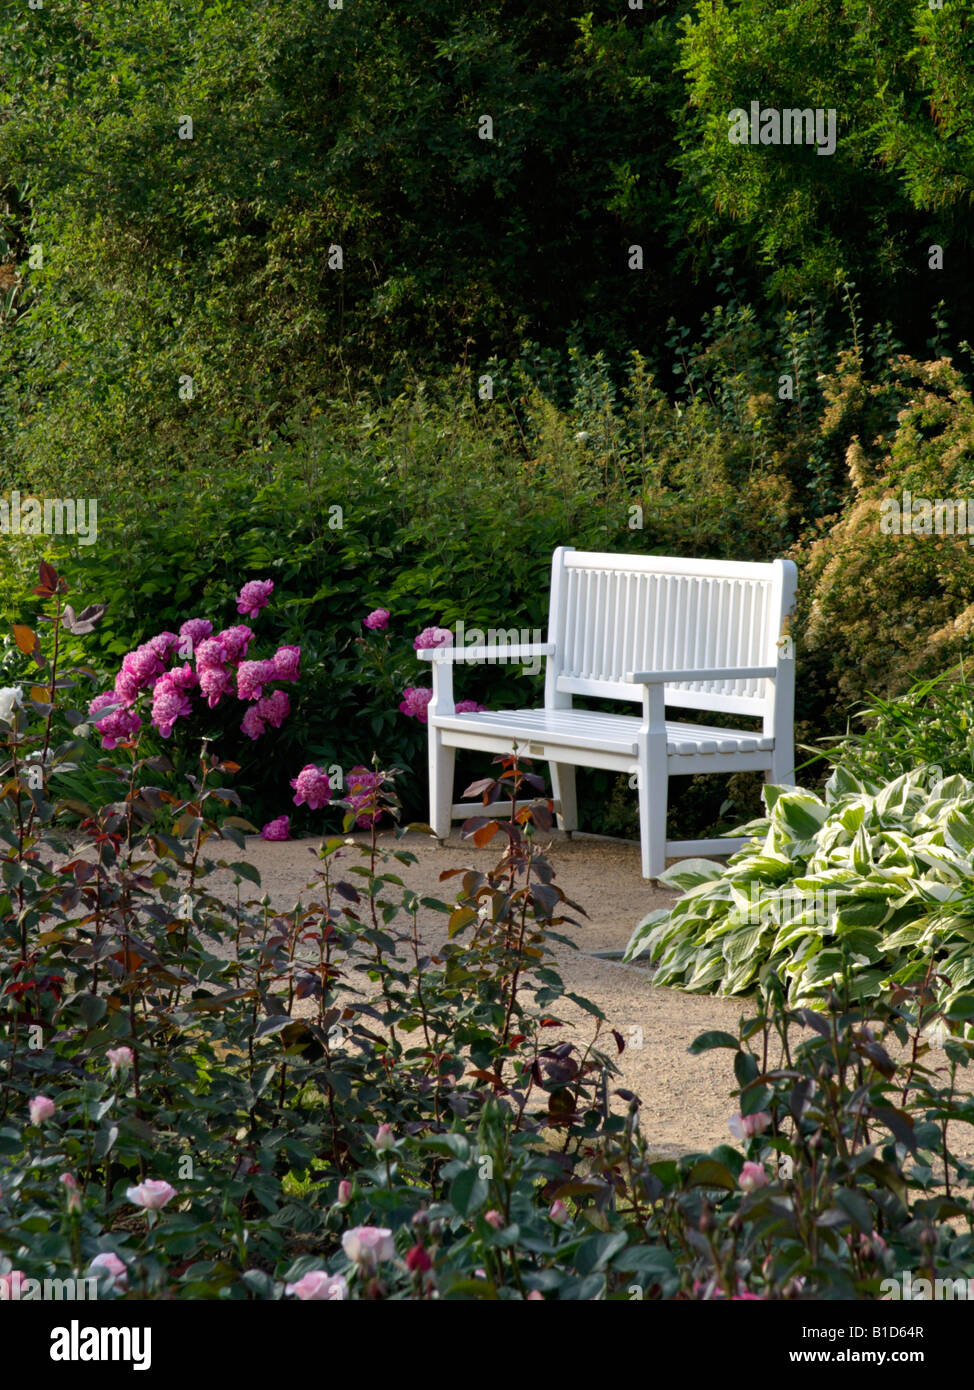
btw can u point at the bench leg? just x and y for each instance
(442, 760)
(563, 787)
(652, 816)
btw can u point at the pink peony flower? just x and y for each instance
(41, 1109)
(109, 1263)
(252, 676)
(746, 1126)
(368, 1246)
(433, 637)
(164, 645)
(120, 1059)
(150, 1195)
(279, 829)
(169, 703)
(194, 631)
(210, 652)
(252, 724)
(378, 619)
(287, 663)
(362, 788)
(274, 707)
(752, 1177)
(144, 666)
(468, 707)
(235, 641)
(415, 700)
(127, 686)
(254, 596)
(117, 727)
(180, 677)
(318, 1285)
(558, 1212)
(494, 1218)
(215, 682)
(312, 786)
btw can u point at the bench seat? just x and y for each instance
(598, 732)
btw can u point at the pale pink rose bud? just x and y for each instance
(109, 1263)
(384, 1138)
(558, 1212)
(41, 1109)
(747, 1126)
(752, 1177)
(318, 1285)
(344, 1192)
(368, 1246)
(151, 1195)
(494, 1218)
(120, 1059)
(535, 1296)
(74, 1191)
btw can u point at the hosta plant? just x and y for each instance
(859, 888)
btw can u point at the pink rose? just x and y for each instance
(70, 1183)
(384, 1138)
(415, 701)
(418, 1260)
(120, 1059)
(312, 786)
(254, 596)
(151, 1195)
(317, 1285)
(279, 829)
(109, 1263)
(368, 1246)
(746, 1126)
(41, 1109)
(494, 1218)
(535, 1296)
(378, 619)
(433, 637)
(344, 1192)
(752, 1177)
(558, 1212)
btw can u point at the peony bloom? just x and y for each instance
(368, 1246)
(752, 1177)
(254, 596)
(235, 641)
(151, 1195)
(119, 726)
(142, 667)
(287, 663)
(215, 682)
(11, 697)
(318, 1285)
(468, 707)
(418, 1260)
(252, 724)
(433, 637)
(344, 1192)
(181, 677)
(274, 707)
(279, 829)
(494, 1218)
(41, 1109)
(558, 1212)
(312, 786)
(169, 703)
(746, 1126)
(415, 700)
(384, 1138)
(165, 645)
(362, 789)
(211, 652)
(120, 1059)
(109, 1263)
(194, 631)
(252, 676)
(378, 619)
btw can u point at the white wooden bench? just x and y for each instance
(697, 634)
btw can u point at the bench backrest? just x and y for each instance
(614, 614)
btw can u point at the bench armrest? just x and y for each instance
(451, 654)
(718, 673)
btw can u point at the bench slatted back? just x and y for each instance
(613, 614)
